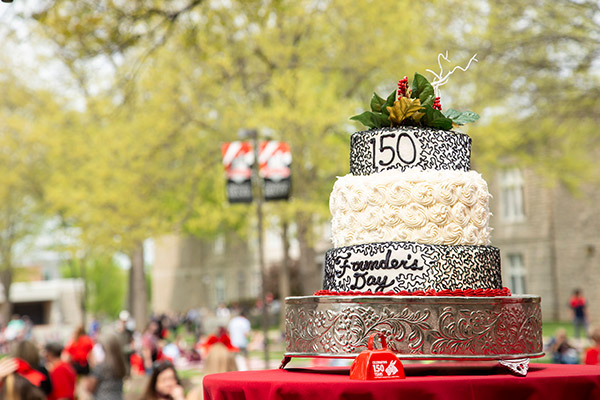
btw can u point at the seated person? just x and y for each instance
(562, 351)
(592, 355)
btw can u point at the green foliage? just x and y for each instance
(435, 119)
(152, 164)
(106, 284)
(422, 90)
(27, 118)
(377, 103)
(372, 119)
(416, 109)
(460, 118)
(142, 157)
(537, 81)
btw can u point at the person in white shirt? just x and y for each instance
(239, 331)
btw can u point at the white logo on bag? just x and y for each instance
(378, 369)
(391, 369)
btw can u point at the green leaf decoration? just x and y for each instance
(461, 118)
(377, 103)
(422, 90)
(413, 110)
(372, 120)
(389, 102)
(435, 119)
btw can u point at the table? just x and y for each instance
(444, 381)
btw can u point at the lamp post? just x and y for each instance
(257, 189)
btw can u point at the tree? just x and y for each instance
(536, 83)
(197, 72)
(284, 67)
(26, 117)
(114, 177)
(285, 73)
(105, 284)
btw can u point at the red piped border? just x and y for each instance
(458, 292)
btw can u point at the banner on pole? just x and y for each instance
(275, 160)
(238, 158)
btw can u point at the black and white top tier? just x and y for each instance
(408, 147)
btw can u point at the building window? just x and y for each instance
(219, 245)
(516, 273)
(511, 187)
(242, 284)
(220, 288)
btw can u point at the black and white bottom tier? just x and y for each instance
(416, 327)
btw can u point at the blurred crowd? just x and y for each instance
(566, 350)
(584, 346)
(97, 361)
(100, 360)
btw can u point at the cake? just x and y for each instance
(419, 223)
(411, 255)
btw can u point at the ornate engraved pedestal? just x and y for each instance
(508, 329)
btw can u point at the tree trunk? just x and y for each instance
(309, 274)
(284, 274)
(7, 307)
(81, 274)
(556, 304)
(138, 295)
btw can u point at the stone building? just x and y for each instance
(48, 302)
(549, 240)
(189, 272)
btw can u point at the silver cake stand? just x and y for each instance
(507, 329)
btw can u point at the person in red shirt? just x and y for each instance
(78, 351)
(578, 305)
(592, 355)
(62, 374)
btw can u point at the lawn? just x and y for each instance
(549, 328)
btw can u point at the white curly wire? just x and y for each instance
(442, 79)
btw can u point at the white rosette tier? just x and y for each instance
(428, 207)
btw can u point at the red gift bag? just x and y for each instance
(376, 364)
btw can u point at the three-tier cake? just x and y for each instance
(412, 257)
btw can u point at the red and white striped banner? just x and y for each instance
(238, 158)
(274, 161)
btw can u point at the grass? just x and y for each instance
(549, 328)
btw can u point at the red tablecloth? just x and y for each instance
(442, 381)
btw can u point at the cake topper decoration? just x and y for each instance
(416, 105)
(442, 79)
